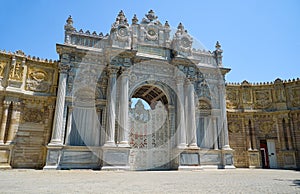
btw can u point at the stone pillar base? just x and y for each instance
(188, 159)
(5, 156)
(289, 159)
(254, 159)
(227, 159)
(53, 157)
(115, 158)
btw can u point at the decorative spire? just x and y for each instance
(167, 24)
(70, 20)
(120, 20)
(180, 27)
(134, 19)
(218, 46)
(151, 16)
(218, 53)
(69, 24)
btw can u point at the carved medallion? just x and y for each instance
(123, 31)
(185, 42)
(263, 99)
(151, 34)
(33, 115)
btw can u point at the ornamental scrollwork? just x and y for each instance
(33, 115)
(38, 80)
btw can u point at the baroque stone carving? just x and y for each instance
(263, 98)
(266, 127)
(16, 72)
(2, 67)
(182, 41)
(38, 80)
(295, 96)
(33, 115)
(232, 99)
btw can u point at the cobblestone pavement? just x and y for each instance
(204, 181)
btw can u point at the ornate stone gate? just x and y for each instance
(94, 126)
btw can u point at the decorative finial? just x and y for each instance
(218, 46)
(134, 19)
(69, 24)
(70, 20)
(121, 19)
(180, 26)
(151, 16)
(167, 24)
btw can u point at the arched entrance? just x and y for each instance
(150, 133)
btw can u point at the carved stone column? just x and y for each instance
(191, 115)
(124, 110)
(254, 144)
(248, 134)
(58, 127)
(69, 125)
(224, 126)
(281, 132)
(181, 131)
(215, 133)
(4, 121)
(111, 101)
(14, 122)
(288, 133)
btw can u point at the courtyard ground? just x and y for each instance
(204, 181)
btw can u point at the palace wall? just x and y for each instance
(27, 95)
(260, 113)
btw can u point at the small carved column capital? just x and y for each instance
(63, 67)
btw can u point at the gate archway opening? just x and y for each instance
(150, 94)
(150, 129)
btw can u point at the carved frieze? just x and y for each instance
(38, 80)
(3, 64)
(33, 115)
(234, 127)
(295, 96)
(232, 99)
(263, 99)
(16, 72)
(265, 127)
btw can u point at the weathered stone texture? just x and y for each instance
(272, 110)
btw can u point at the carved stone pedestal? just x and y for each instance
(115, 158)
(227, 159)
(53, 157)
(5, 156)
(254, 159)
(289, 159)
(81, 157)
(210, 159)
(188, 159)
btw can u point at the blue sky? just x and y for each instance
(260, 39)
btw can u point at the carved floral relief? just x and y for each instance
(295, 96)
(33, 115)
(263, 99)
(232, 99)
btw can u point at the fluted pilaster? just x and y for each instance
(181, 114)
(111, 108)
(123, 109)
(58, 127)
